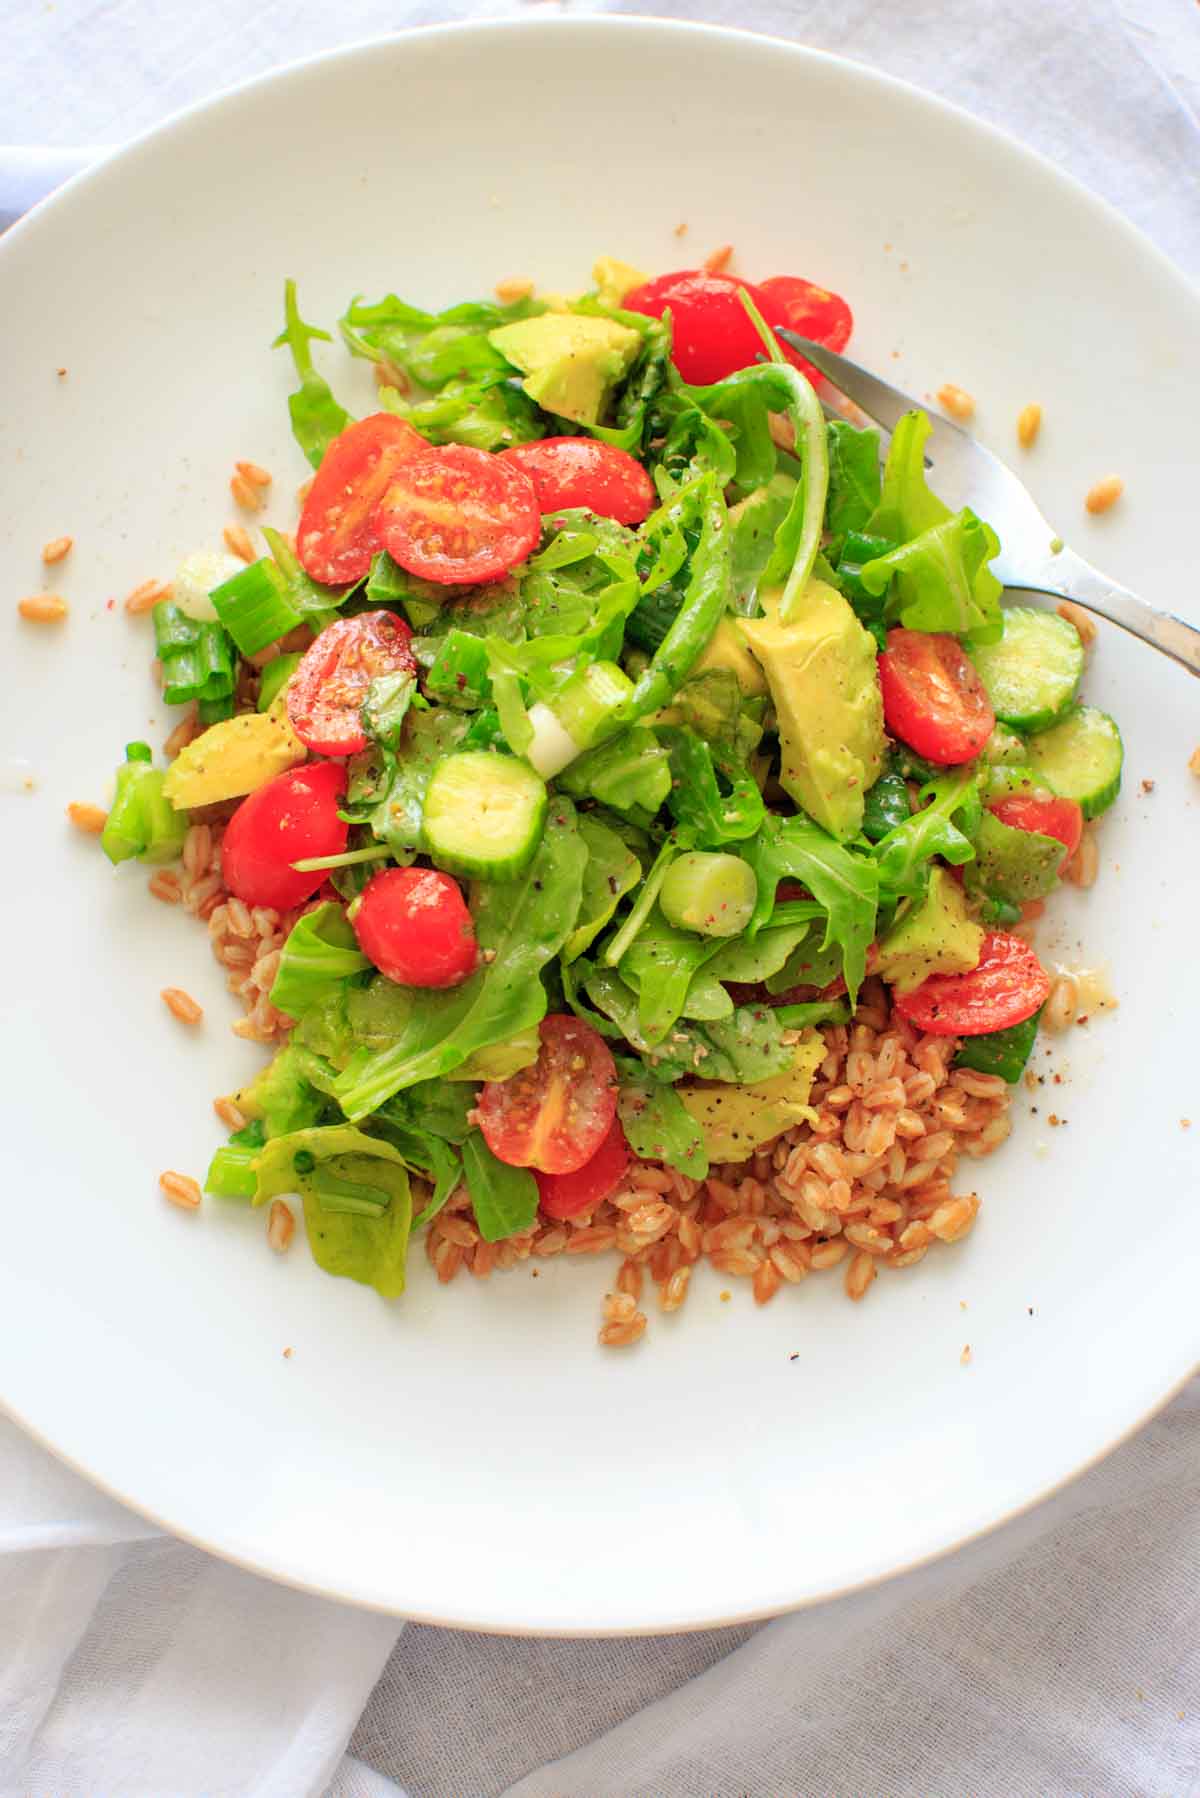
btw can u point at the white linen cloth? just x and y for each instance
(1060, 1656)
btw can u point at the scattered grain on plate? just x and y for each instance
(56, 549)
(145, 597)
(230, 1113)
(1104, 494)
(1185, 1123)
(1147, 786)
(237, 541)
(1085, 624)
(965, 1357)
(181, 1005)
(1061, 1005)
(720, 259)
(1194, 762)
(254, 473)
(165, 886)
(43, 608)
(281, 1226)
(387, 374)
(956, 401)
(623, 1322)
(287, 1354)
(185, 732)
(681, 228)
(90, 819)
(1029, 423)
(1081, 869)
(246, 494)
(61, 373)
(513, 288)
(181, 1189)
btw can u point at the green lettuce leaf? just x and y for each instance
(712, 799)
(371, 1245)
(743, 1048)
(386, 789)
(321, 951)
(612, 871)
(486, 414)
(854, 479)
(630, 774)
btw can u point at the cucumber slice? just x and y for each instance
(483, 815)
(1032, 674)
(1081, 758)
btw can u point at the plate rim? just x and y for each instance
(1075, 193)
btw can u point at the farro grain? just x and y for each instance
(766, 1282)
(483, 1259)
(859, 1275)
(1194, 762)
(828, 1254)
(447, 1259)
(387, 374)
(246, 494)
(515, 287)
(56, 549)
(1029, 423)
(90, 819)
(1084, 622)
(456, 1229)
(719, 259)
(956, 401)
(43, 608)
(594, 1239)
(254, 473)
(1062, 1005)
(629, 1280)
(281, 1226)
(237, 541)
(165, 886)
(952, 1219)
(181, 1005)
(550, 1242)
(1103, 495)
(181, 1189)
(231, 1115)
(147, 596)
(185, 732)
(1082, 868)
(673, 1290)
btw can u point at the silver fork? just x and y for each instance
(1032, 559)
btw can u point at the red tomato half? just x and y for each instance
(566, 1195)
(290, 819)
(555, 1114)
(579, 471)
(336, 538)
(1061, 818)
(712, 334)
(458, 514)
(326, 693)
(1007, 987)
(415, 926)
(933, 699)
(811, 311)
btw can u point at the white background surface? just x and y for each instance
(1059, 1657)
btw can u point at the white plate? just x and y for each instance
(469, 1455)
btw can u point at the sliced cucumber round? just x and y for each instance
(483, 815)
(1080, 758)
(1032, 674)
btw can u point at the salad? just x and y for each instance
(623, 803)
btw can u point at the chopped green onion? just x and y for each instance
(255, 606)
(214, 711)
(275, 677)
(321, 951)
(141, 820)
(197, 662)
(712, 894)
(231, 1172)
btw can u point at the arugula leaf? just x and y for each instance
(504, 1198)
(659, 967)
(907, 505)
(442, 1108)
(854, 479)
(434, 348)
(321, 951)
(523, 922)
(387, 789)
(612, 871)
(487, 414)
(942, 579)
(745, 962)
(754, 522)
(316, 416)
(282, 1095)
(706, 998)
(846, 885)
(386, 706)
(631, 774)
(739, 1050)
(712, 799)
(944, 827)
(368, 1245)
(656, 1125)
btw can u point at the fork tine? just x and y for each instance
(886, 405)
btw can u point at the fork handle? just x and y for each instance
(1068, 576)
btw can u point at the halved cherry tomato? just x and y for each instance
(1061, 818)
(290, 819)
(415, 926)
(811, 311)
(566, 1195)
(933, 699)
(1007, 987)
(712, 333)
(336, 538)
(458, 514)
(554, 1114)
(326, 693)
(579, 471)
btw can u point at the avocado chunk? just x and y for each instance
(821, 671)
(570, 361)
(726, 648)
(736, 1120)
(614, 279)
(234, 757)
(938, 936)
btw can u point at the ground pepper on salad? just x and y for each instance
(625, 831)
